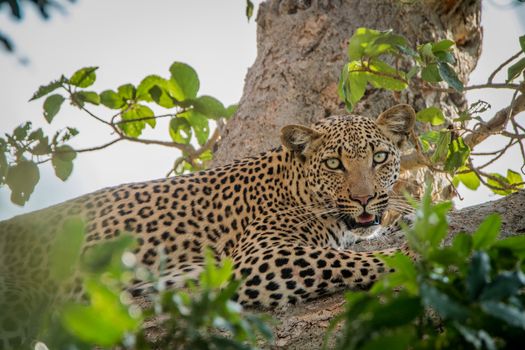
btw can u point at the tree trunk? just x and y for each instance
(302, 48)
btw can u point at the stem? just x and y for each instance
(96, 148)
(500, 67)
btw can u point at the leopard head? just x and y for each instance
(350, 163)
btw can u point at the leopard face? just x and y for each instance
(351, 162)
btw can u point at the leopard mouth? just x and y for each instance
(363, 220)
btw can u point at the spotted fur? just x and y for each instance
(282, 216)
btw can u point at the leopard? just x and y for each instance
(282, 217)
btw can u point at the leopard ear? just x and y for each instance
(300, 139)
(397, 122)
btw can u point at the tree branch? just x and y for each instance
(500, 67)
(497, 123)
(415, 160)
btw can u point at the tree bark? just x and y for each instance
(302, 48)
(304, 326)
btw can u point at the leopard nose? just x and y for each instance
(363, 199)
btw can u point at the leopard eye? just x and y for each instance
(333, 163)
(380, 157)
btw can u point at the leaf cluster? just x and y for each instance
(132, 110)
(443, 147)
(467, 295)
(370, 56)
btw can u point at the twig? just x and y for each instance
(497, 123)
(475, 87)
(96, 148)
(415, 159)
(500, 67)
(144, 118)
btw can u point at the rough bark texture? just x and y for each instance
(302, 47)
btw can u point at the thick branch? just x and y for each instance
(497, 123)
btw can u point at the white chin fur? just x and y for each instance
(350, 237)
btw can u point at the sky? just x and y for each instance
(129, 40)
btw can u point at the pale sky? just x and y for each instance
(132, 39)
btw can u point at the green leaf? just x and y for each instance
(88, 96)
(209, 106)
(433, 115)
(515, 243)
(386, 76)
(498, 186)
(505, 285)
(180, 130)
(104, 322)
(185, 81)
(65, 153)
(143, 89)
(428, 138)
(431, 74)
(62, 161)
(249, 9)
(36, 135)
(478, 274)
(46, 89)
(442, 45)
(42, 147)
(412, 72)
(107, 257)
(66, 248)
(22, 179)
(442, 147)
(398, 339)
(449, 76)
(111, 99)
(127, 92)
(367, 42)
(426, 52)
(522, 42)
(476, 337)
(405, 274)
(355, 83)
(458, 153)
(446, 307)
(52, 106)
(487, 232)
(446, 57)
(21, 131)
(231, 110)
(515, 70)
(84, 77)
(161, 96)
(514, 178)
(199, 123)
(510, 314)
(359, 41)
(469, 179)
(397, 312)
(134, 120)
